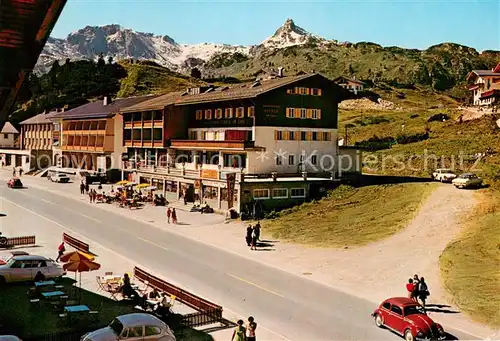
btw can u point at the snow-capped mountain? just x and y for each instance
(123, 43)
(289, 35)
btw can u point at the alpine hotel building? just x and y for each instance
(273, 141)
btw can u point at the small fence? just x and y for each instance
(208, 312)
(76, 243)
(17, 241)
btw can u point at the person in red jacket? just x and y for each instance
(60, 250)
(410, 287)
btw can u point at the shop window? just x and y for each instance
(199, 114)
(209, 192)
(298, 193)
(261, 194)
(280, 193)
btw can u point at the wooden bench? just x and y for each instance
(77, 244)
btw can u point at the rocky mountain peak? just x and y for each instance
(288, 34)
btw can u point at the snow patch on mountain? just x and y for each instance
(122, 43)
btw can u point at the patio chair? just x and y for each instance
(94, 314)
(100, 284)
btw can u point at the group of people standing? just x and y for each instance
(252, 236)
(242, 333)
(417, 289)
(171, 213)
(14, 172)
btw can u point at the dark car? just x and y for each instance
(15, 183)
(407, 318)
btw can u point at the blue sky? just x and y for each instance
(413, 24)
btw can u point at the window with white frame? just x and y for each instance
(291, 160)
(208, 114)
(240, 112)
(291, 135)
(261, 194)
(199, 114)
(251, 111)
(218, 113)
(303, 113)
(280, 193)
(279, 135)
(228, 113)
(298, 193)
(314, 159)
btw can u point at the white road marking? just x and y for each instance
(152, 243)
(114, 252)
(255, 285)
(89, 217)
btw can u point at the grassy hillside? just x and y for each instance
(441, 67)
(148, 78)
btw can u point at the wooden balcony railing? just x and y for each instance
(138, 143)
(203, 144)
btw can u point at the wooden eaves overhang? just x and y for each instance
(25, 26)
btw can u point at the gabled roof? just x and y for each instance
(157, 103)
(224, 93)
(97, 109)
(8, 128)
(42, 118)
(342, 78)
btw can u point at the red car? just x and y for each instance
(15, 183)
(407, 318)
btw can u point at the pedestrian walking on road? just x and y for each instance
(423, 291)
(90, 196)
(174, 216)
(20, 172)
(410, 287)
(60, 251)
(87, 187)
(169, 213)
(253, 246)
(257, 230)
(248, 237)
(239, 333)
(14, 171)
(82, 188)
(251, 326)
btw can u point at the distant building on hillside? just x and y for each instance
(485, 86)
(351, 84)
(8, 136)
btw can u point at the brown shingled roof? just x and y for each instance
(98, 110)
(8, 128)
(39, 119)
(238, 91)
(157, 103)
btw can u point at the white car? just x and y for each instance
(133, 327)
(467, 180)
(23, 268)
(9, 338)
(444, 175)
(59, 177)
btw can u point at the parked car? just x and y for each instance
(15, 183)
(9, 338)
(467, 180)
(59, 177)
(24, 268)
(133, 327)
(443, 175)
(4, 260)
(407, 318)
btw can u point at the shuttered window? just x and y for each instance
(208, 114)
(228, 113)
(251, 111)
(199, 114)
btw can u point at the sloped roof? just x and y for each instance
(486, 73)
(349, 80)
(223, 93)
(97, 109)
(42, 118)
(8, 128)
(156, 103)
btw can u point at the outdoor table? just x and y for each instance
(76, 309)
(51, 294)
(111, 279)
(44, 284)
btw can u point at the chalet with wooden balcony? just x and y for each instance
(485, 86)
(219, 144)
(91, 134)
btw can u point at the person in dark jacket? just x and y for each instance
(423, 291)
(248, 237)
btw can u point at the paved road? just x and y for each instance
(293, 307)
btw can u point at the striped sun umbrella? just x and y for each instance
(80, 266)
(75, 256)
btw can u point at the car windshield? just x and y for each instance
(116, 326)
(413, 309)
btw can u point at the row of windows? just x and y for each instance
(285, 135)
(304, 91)
(291, 160)
(279, 193)
(303, 113)
(208, 114)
